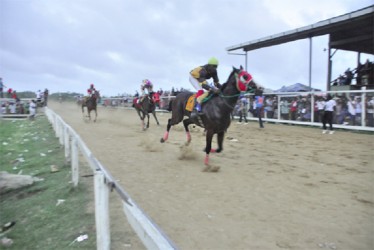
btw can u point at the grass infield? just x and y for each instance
(50, 213)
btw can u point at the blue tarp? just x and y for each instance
(297, 87)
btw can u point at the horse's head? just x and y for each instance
(243, 79)
(156, 97)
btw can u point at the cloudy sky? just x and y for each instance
(64, 45)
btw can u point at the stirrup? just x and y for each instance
(198, 107)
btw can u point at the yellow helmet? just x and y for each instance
(213, 61)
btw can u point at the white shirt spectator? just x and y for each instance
(351, 107)
(320, 104)
(39, 94)
(358, 107)
(12, 108)
(329, 106)
(32, 108)
(370, 108)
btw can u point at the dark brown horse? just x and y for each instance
(146, 106)
(91, 104)
(216, 111)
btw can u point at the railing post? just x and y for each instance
(363, 107)
(67, 144)
(74, 161)
(60, 132)
(102, 212)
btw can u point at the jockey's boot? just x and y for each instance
(196, 111)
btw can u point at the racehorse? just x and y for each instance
(216, 112)
(91, 104)
(146, 106)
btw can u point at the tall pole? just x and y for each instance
(310, 61)
(246, 58)
(329, 66)
(246, 61)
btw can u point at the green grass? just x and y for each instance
(30, 148)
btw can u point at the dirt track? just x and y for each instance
(282, 187)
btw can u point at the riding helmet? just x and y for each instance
(213, 61)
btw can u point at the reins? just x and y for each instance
(248, 90)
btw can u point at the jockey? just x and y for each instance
(91, 90)
(198, 79)
(146, 85)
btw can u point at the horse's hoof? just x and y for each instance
(162, 140)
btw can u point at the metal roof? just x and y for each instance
(353, 31)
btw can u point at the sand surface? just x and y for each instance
(282, 187)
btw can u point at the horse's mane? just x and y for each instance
(234, 70)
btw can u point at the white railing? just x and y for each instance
(148, 232)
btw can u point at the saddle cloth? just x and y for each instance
(190, 103)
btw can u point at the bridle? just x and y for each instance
(243, 80)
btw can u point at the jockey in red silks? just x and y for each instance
(91, 90)
(198, 79)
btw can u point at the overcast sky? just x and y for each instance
(64, 45)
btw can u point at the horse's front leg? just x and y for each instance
(154, 115)
(147, 120)
(141, 116)
(95, 115)
(166, 135)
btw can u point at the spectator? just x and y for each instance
(39, 96)
(284, 109)
(352, 111)
(46, 94)
(10, 91)
(32, 109)
(259, 101)
(243, 110)
(340, 112)
(269, 108)
(358, 110)
(328, 114)
(320, 103)
(370, 112)
(293, 109)
(15, 96)
(2, 87)
(12, 107)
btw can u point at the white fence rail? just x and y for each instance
(149, 233)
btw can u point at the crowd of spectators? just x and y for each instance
(299, 108)
(12, 104)
(363, 74)
(348, 109)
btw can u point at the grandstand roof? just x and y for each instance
(353, 32)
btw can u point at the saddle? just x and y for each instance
(192, 100)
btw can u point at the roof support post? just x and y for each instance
(246, 58)
(310, 61)
(329, 66)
